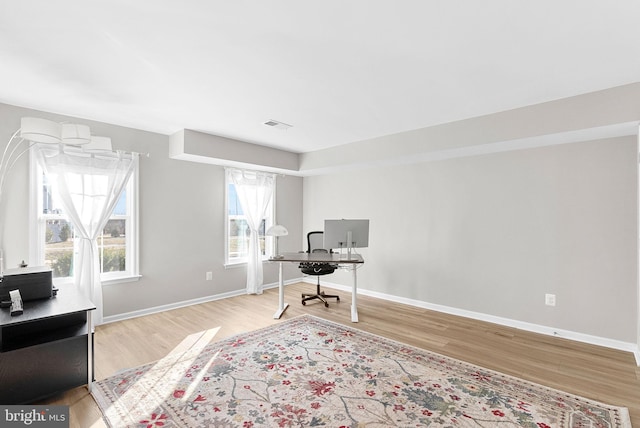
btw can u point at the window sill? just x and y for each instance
(232, 265)
(108, 281)
(121, 279)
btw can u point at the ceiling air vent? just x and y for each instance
(277, 125)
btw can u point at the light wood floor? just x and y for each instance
(598, 373)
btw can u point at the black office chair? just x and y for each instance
(315, 245)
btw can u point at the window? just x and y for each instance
(54, 234)
(237, 229)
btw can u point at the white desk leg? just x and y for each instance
(354, 296)
(89, 350)
(282, 306)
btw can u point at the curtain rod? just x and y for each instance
(75, 150)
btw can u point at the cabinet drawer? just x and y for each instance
(28, 374)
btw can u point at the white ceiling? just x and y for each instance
(338, 71)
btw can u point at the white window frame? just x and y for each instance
(270, 221)
(37, 227)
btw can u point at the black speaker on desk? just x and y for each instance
(33, 282)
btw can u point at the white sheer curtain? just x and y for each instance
(254, 191)
(89, 188)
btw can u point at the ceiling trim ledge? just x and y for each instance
(194, 146)
(608, 113)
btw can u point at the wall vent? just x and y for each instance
(277, 125)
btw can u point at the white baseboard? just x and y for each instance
(549, 331)
(535, 328)
(185, 303)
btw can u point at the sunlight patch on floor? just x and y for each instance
(182, 355)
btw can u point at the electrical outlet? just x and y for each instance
(550, 299)
(209, 276)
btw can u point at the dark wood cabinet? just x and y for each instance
(47, 349)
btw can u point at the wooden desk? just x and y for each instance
(47, 349)
(341, 259)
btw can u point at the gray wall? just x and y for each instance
(181, 221)
(492, 234)
(489, 234)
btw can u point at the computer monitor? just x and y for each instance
(346, 234)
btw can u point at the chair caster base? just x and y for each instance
(321, 296)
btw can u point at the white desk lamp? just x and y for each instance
(277, 231)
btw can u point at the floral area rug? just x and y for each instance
(308, 372)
